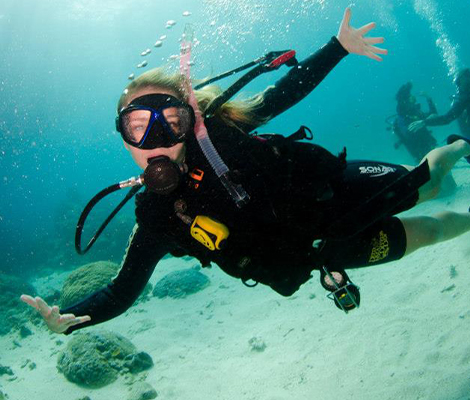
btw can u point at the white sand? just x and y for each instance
(409, 340)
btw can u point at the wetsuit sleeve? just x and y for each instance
(431, 106)
(457, 108)
(142, 255)
(300, 80)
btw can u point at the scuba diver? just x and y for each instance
(421, 141)
(266, 209)
(460, 108)
(418, 143)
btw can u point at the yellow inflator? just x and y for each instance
(209, 232)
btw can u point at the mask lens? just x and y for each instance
(135, 124)
(179, 121)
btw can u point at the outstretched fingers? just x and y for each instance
(373, 40)
(378, 50)
(372, 51)
(71, 317)
(372, 55)
(55, 321)
(346, 17)
(43, 308)
(71, 320)
(363, 30)
(29, 301)
(354, 41)
(55, 310)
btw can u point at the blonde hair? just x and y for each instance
(234, 113)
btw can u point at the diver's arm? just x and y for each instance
(457, 108)
(431, 106)
(306, 76)
(301, 80)
(142, 255)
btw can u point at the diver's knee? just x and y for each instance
(421, 232)
(430, 190)
(461, 146)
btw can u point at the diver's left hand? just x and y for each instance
(353, 39)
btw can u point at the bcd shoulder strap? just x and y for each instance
(304, 166)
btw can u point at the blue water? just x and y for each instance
(64, 64)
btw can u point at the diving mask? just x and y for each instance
(155, 120)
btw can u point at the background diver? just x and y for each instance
(294, 193)
(420, 141)
(460, 108)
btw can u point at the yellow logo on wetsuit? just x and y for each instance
(380, 247)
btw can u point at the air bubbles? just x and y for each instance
(170, 23)
(186, 13)
(142, 64)
(158, 43)
(131, 77)
(428, 10)
(163, 37)
(145, 52)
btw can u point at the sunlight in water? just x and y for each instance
(233, 24)
(104, 10)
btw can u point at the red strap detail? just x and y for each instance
(283, 58)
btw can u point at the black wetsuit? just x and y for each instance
(296, 190)
(460, 109)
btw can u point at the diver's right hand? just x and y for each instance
(54, 320)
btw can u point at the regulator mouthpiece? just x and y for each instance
(162, 175)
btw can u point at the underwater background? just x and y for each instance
(64, 64)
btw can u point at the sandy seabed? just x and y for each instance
(410, 339)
